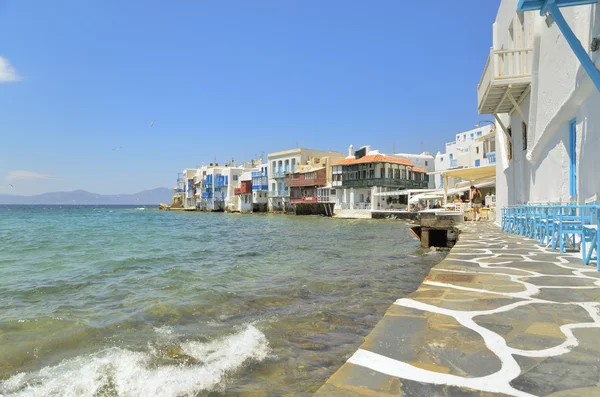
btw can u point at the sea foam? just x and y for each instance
(127, 373)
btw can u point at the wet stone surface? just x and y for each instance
(500, 316)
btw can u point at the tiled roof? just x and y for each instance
(375, 158)
(419, 169)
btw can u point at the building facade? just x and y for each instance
(243, 193)
(424, 161)
(218, 184)
(545, 98)
(472, 148)
(363, 171)
(280, 165)
(260, 188)
(309, 182)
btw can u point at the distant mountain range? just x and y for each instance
(81, 197)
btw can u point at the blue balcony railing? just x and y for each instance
(279, 174)
(454, 163)
(491, 156)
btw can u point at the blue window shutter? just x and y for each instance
(573, 157)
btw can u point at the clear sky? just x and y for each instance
(226, 79)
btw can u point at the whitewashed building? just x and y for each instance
(473, 148)
(281, 164)
(243, 194)
(186, 185)
(541, 83)
(260, 188)
(218, 184)
(424, 160)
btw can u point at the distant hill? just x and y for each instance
(79, 197)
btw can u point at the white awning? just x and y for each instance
(404, 192)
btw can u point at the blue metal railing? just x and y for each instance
(491, 156)
(454, 163)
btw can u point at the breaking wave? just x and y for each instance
(181, 370)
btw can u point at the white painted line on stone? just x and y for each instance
(492, 383)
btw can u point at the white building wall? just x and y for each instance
(560, 92)
(425, 161)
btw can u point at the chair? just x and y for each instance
(590, 238)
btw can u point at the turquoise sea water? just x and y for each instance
(113, 301)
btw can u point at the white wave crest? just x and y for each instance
(131, 374)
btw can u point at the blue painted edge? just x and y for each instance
(538, 5)
(573, 157)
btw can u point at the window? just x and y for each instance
(442, 159)
(441, 181)
(479, 133)
(235, 177)
(451, 156)
(573, 157)
(472, 135)
(524, 132)
(426, 163)
(509, 143)
(477, 150)
(293, 165)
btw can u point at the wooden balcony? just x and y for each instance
(385, 182)
(245, 188)
(506, 79)
(305, 199)
(311, 178)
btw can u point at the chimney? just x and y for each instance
(351, 151)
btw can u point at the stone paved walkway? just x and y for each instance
(500, 316)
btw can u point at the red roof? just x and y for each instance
(419, 169)
(375, 158)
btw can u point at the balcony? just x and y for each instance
(491, 157)
(221, 181)
(507, 72)
(245, 188)
(453, 163)
(279, 193)
(278, 174)
(305, 199)
(386, 182)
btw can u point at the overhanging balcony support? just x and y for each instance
(517, 108)
(522, 98)
(499, 121)
(553, 9)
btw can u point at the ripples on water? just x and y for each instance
(122, 302)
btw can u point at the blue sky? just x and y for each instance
(229, 79)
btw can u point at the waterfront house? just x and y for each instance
(260, 188)
(364, 171)
(185, 183)
(282, 163)
(469, 149)
(218, 187)
(541, 83)
(424, 161)
(243, 193)
(310, 184)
